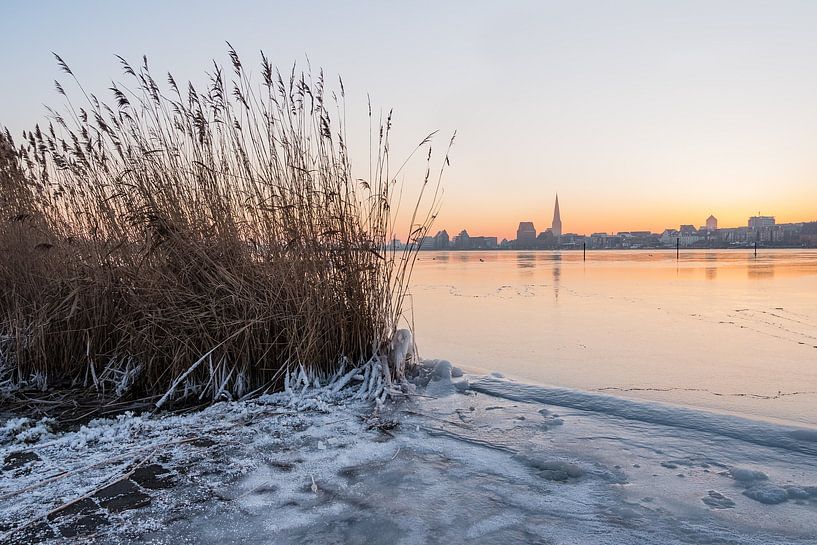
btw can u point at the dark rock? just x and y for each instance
(84, 525)
(35, 533)
(82, 507)
(121, 496)
(153, 477)
(16, 460)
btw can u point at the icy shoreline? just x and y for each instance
(798, 439)
(501, 462)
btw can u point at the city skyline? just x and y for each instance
(532, 223)
(758, 229)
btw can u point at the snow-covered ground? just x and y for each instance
(500, 463)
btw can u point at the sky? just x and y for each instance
(641, 115)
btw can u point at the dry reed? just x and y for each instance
(202, 240)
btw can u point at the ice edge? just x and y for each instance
(799, 439)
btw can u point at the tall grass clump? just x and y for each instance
(200, 242)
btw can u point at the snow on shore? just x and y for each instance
(507, 463)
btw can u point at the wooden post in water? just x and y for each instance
(584, 251)
(755, 248)
(677, 248)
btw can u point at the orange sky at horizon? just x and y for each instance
(586, 218)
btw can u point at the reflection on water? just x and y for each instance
(711, 269)
(525, 261)
(760, 270)
(718, 329)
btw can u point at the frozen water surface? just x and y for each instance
(507, 463)
(718, 330)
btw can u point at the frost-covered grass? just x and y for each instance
(202, 242)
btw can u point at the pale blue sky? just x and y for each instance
(640, 114)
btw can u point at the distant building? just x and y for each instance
(462, 241)
(526, 234)
(637, 239)
(441, 240)
(571, 240)
(483, 243)
(759, 222)
(734, 236)
(599, 241)
(546, 240)
(688, 235)
(808, 234)
(557, 220)
(669, 237)
(762, 229)
(711, 224)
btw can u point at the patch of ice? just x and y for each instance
(492, 524)
(26, 430)
(440, 388)
(40, 430)
(744, 475)
(443, 385)
(767, 494)
(14, 426)
(716, 500)
(428, 364)
(805, 435)
(401, 348)
(462, 385)
(549, 468)
(442, 370)
(797, 493)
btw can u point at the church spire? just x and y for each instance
(556, 228)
